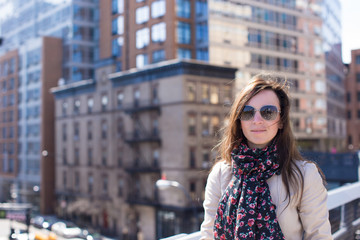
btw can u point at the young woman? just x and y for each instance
(262, 188)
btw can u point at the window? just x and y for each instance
(105, 184)
(205, 158)
(215, 125)
(89, 130)
(358, 114)
(202, 54)
(158, 32)
(227, 94)
(90, 157)
(64, 108)
(192, 157)
(76, 156)
(76, 106)
(183, 8)
(90, 104)
(117, 6)
(90, 184)
(348, 97)
(202, 32)
(64, 179)
(120, 187)
(64, 132)
(142, 14)
(104, 102)
(104, 157)
(120, 99)
(117, 46)
(141, 60)
(76, 131)
(158, 55)
(136, 97)
(184, 33)
(358, 96)
(118, 25)
(191, 91)
(214, 94)
(358, 77)
(104, 129)
(142, 38)
(184, 53)
(64, 156)
(192, 124)
(77, 180)
(192, 187)
(357, 59)
(205, 93)
(158, 9)
(205, 125)
(155, 158)
(120, 128)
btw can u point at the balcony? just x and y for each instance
(138, 199)
(139, 167)
(142, 106)
(138, 136)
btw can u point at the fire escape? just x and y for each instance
(143, 167)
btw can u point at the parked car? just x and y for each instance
(66, 229)
(43, 221)
(20, 234)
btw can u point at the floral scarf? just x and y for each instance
(245, 210)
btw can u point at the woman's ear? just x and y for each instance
(281, 126)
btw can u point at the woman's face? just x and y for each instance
(258, 131)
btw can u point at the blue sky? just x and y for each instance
(350, 27)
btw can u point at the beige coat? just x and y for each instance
(308, 216)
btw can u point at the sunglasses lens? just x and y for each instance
(247, 114)
(269, 112)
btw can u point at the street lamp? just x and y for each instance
(162, 184)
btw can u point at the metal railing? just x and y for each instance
(344, 208)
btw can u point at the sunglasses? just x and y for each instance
(267, 112)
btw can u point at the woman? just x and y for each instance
(262, 188)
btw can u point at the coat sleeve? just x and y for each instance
(212, 198)
(313, 210)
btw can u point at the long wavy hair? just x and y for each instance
(232, 134)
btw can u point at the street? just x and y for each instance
(5, 225)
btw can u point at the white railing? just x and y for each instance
(344, 207)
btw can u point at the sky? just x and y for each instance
(350, 27)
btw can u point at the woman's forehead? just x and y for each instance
(264, 97)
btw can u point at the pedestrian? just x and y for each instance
(261, 187)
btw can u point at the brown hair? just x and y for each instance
(288, 152)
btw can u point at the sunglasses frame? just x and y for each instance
(261, 111)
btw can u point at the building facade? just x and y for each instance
(121, 132)
(353, 101)
(41, 42)
(297, 40)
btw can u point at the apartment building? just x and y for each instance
(121, 132)
(27, 74)
(353, 101)
(296, 40)
(41, 42)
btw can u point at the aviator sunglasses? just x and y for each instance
(267, 112)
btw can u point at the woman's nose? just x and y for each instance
(258, 117)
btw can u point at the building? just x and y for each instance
(27, 75)
(297, 40)
(41, 42)
(121, 132)
(353, 101)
